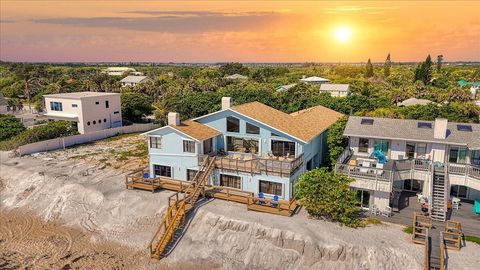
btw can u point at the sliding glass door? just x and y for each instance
(283, 148)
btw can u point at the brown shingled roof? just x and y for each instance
(196, 130)
(303, 125)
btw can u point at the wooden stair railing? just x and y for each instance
(177, 210)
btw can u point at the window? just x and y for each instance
(242, 145)
(94, 122)
(88, 123)
(363, 197)
(466, 128)
(366, 121)
(156, 142)
(208, 146)
(283, 148)
(74, 105)
(188, 146)
(230, 181)
(97, 102)
(106, 104)
(233, 124)
(99, 121)
(191, 174)
(104, 120)
(457, 155)
(475, 160)
(270, 188)
(381, 145)
(424, 125)
(56, 106)
(275, 135)
(363, 145)
(459, 191)
(116, 112)
(252, 129)
(160, 170)
(421, 149)
(410, 151)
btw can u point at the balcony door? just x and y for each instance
(283, 148)
(457, 155)
(475, 158)
(363, 197)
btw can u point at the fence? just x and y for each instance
(61, 143)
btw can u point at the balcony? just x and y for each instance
(367, 168)
(249, 163)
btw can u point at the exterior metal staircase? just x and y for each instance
(178, 207)
(439, 194)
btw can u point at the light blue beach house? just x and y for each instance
(257, 148)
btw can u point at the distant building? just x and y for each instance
(335, 90)
(285, 87)
(314, 80)
(131, 81)
(413, 101)
(118, 71)
(91, 111)
(236, 77)
(3, 104)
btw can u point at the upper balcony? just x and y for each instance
(366, 168)
(253, 164)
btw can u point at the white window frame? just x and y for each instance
(188, 141)
(156, 142)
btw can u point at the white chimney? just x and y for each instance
(226, 102)
(173, 119)
(440, 130)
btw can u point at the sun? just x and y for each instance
(343, 34)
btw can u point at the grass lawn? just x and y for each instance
(471, 238)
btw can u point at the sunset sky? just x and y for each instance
(245, 31)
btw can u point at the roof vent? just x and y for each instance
(424, 125)
(440, 130)
(366, 121)
(467, 128)
(226, 102)
(173, 119)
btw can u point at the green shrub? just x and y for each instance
(10, 126)
(40, 133)
(473, 239)
(408, 229)
(326, 194)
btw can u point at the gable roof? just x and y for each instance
(3, 101)
(334, 87)
(192, 129)
(314, 79)
(285, 87)
(134, 79)
(402, 129)
(303, 125)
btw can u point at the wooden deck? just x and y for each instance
(281, 207)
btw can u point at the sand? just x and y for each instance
(87, 199)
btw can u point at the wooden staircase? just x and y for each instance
(179, 204)
(439, 195)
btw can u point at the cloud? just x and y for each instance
(6, 21)
(355, 9)
(174, 21)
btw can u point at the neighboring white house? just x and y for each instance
(413, 101)
(131, 81)
(92, 111)
(285, 87)
(236, 77)
(3, 104)
(314, 80)
(335, 90)
(118, 71)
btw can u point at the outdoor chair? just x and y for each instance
(261, 198)
(455, 205)
(387, 212)
(145, 175)
(274, 203)
(374, 210)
